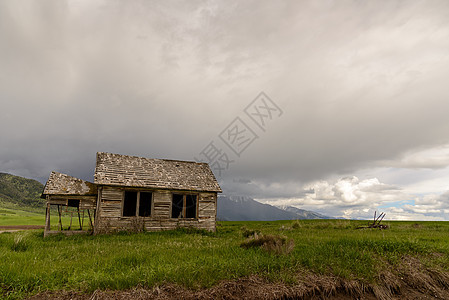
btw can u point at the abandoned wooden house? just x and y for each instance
(132, 193)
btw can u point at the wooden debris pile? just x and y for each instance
(376, 222)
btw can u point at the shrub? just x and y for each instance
(296, 225)
(249, 233)
(271, 243)
(285, 228)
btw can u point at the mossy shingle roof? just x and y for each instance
(62, 184)
(133, 171)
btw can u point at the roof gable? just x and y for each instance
(133, 171)
(62, 184)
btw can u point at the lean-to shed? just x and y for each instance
(70, 197)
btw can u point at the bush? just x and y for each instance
(249, 233)
(296, 225)
(271, 243)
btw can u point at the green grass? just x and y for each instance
(195, 259)
(18, 216)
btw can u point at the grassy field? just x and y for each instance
(30, 264)
(18, 216)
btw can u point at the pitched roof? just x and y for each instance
(124, 170)
(62, 184)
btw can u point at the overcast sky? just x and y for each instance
(356, 118)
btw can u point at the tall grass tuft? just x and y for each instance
(246, 233)
(274, 244)
(19, 244)
(296, 225)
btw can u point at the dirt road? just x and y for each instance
(14, 228)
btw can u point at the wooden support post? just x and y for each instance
(82, 220)
(138, 204)
(79, 218)
(47, 218)
(59, 213)
(97, 212)
(90, 219)
(71, 217)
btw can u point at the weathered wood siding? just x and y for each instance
(111, 202)
(109, 212)
(86, 202)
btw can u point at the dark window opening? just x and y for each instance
(130, 204)
(145, 204)
(73, 203)
(184, 206)
(177, 205)
(190, 206)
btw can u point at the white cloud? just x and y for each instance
(347, 197)
(394, 213)
(353, 198)
(436, 205)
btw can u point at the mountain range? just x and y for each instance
(242, 208)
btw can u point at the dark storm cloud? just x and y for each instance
(360, 84)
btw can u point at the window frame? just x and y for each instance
(184, 195)
(137, 203)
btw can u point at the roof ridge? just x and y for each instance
(56, 172)
(164, 159)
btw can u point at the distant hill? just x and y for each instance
(19, 191)
(241, 208)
